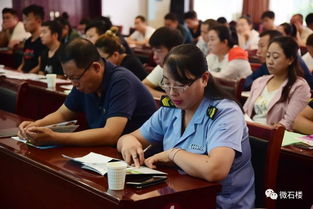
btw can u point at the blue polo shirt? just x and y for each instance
(227, 128)
(123, 95)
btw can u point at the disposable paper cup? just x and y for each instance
(51, 80)
(116, 175)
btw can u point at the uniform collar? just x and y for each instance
(197, 118)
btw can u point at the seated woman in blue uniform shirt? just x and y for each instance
(205, 135)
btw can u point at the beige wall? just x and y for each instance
(157, 9)
(123, 12)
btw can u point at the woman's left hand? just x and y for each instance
(162, 157)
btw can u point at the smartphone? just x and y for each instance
(143, 182)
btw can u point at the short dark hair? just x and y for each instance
(9, 10)
(171, 16)
(211, 23)
(142, 18)
(81, 51)
(289, 29)
(269, 14)
(63, 22)
(37, 11)
(300, 15)
(223, 34)
(101, 27)
(221, 20)
(54, 27)
(166, 37)
(271, 33)
(248, 18)
(190, 15)
(309, 19)
(84, 21)
(309, 41)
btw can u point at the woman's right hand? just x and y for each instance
(131, 150)
(22, 128)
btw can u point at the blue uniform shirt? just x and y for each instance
(227, 128)
(123, 95)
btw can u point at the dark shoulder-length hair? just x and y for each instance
(290, 49)
(186, 63)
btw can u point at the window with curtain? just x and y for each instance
(284, 9)
(216, 8)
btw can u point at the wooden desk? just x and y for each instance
(33, 178)
(295, 174)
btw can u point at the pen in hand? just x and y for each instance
(147, 148)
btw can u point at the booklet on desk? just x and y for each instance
(97, 163)
(308, 139)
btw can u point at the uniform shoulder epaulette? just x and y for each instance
(211, 112)
(166, 101)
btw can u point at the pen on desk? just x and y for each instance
(148, 147)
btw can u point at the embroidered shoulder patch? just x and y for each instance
(211, 112)
(166, 101)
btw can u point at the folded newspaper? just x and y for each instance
(97, 163)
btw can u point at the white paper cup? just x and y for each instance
(51, 80)
(116, 175)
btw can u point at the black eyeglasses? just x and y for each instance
(81, 75)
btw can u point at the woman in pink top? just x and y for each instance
(276, 99)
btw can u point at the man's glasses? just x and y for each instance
(178, 89)
(76, 79)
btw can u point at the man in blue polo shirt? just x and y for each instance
(113, 99)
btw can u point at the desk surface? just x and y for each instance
(19, 162)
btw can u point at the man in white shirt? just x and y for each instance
(304, 32)
(142, 33)
(308, 57)
(161, 41)
(14, 27)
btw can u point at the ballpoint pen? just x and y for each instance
(148, 147)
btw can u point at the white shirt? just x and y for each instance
(261, 105)
(305, 33)
(203, 46)
(251, 43)
(155, 77)
(142, 37)
(233, 70)
(308, 60)
(19, 33)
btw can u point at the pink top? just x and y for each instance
(278, 112)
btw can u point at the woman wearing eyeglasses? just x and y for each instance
(205, 135)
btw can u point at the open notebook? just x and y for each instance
(97, 163)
